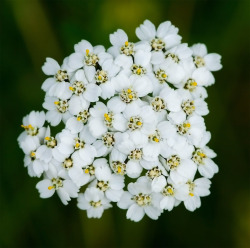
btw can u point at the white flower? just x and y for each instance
(206, 166)
(89, 170)
(80, 87)
(140, 200)
(86, 56)
(193, 129)
(179, 165)
(164, 37)
(104, 144)
(188, 106)
(65, 145)
(78, 144)
(157, 141)
(121, 45)
(136, 109)
(139, 66)
(78, 107)
(45, 151)
(129, 90)
(141, 120)
(196, 80)
(57, 110)
(202, 59)
(103, 119)
(157, 174)
(35, 165)
(191, 191)
(202, 157)
(94, 201)
(103, 78)
(167, 98)
(177, 54)
(111, 184)
(169, 200)
(167, 72)
(132, 148)
(65, 188)
(117, 160)
(33, 126)
(71, 167)
(58, 85)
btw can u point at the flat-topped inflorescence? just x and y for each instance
(135, 110)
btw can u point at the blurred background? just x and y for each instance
(32, 30)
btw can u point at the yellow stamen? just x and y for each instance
(77, 145)
(29, 126)
(23, 126)
(129, 90)
(32, 154)
(138, 71)
(156, 140)
(119, 169)
(164, 75)
(78, 118)
(191, 194)
(56, 103)
(107, 117)
(187, 125)
(87, 51)
(202, 154)
(71, 88)
(86, 171)
(170, 191)
(126, 43)
(47, 138)
(50, 187)
(194, 83)
(99, 77)
(130, 96)
(138, 123)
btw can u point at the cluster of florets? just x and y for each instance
(134, 111)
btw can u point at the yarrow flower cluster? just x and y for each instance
(133, 112)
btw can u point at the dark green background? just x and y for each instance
(35, 29)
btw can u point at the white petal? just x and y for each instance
(114, 195)
(146, 31)
(199, 49)
(118, 38)
(212, 61)
(142, 58)
(120, 123)
(74, 125)
(101, 149)
(135, 213)
(116, 105)
(50, 67)
(192, 203)
(134, 169)
(92, 93)
(63, 195)
(159, 183)
(76, 175)
(152, 212)
(143, 86)
(43, 186)
(48, 83)
(76, 60)
(167, 203)
(89, 72)
(125, 200)
(97, 127)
